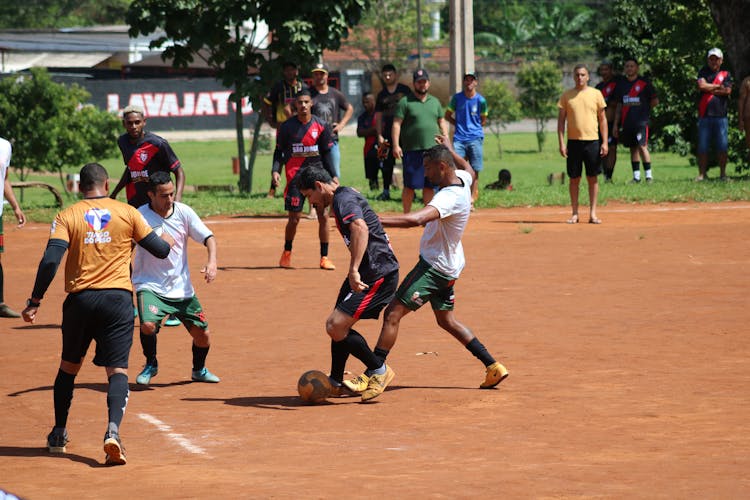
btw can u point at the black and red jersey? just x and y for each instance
(149, 154)
(635, 97)
(608, 90)
(379, 260)
(709, 104)
(305, 144)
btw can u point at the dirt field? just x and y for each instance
(628, 371)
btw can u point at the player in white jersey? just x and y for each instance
(7, 191)
(164, 287)
(441, 260)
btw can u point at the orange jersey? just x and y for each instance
(99, 233)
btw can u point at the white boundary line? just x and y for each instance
(181, 440)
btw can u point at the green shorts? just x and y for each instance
(425, 284)
(152, 308)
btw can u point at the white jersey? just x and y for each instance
(5, 152)
(441, 245)
(170, 277)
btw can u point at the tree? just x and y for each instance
(662, 37)
(216, 32)
(49, 125)
(61, 13)
(732, 17)
(386, 33)
(503, 108)
(539, 82)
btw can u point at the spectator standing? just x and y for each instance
(467, 111)
(278, 106)
(5, 153)
(744, 109)
(607, 86)
(715, 86)
(636, 98)
(582, 107)
(385, 107)
(328, 105)
(418, 119)
(367, 130)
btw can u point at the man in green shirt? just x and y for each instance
(418, 119)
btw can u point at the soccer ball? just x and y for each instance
(314, 386)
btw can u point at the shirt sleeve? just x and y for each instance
(141, 227)
(197, 230)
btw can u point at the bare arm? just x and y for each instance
(360, 235)
(443, 126)
(604, 148)
(209, 270)
(179, 175)
(562, 115)
(412, 219)
(11, 197)
(121, 184)
(395, 136)
(344, 119)
(449, 117)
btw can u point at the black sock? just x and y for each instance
(323, 249)
(63, 395)
(381, 353)
(288, 245)
(339, 355)
(117, 398)
(636, 165)
(480, 352)
(647, 167)
(357, 346)
(199, 357)
(148, 344)
(2, 280)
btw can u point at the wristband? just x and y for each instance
(31, 303)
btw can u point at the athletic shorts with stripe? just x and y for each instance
(425, 284)
(152, 308)
(105, 316)
(369, 303)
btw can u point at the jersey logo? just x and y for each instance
(314, 133)
(97, 218)
(143, 156)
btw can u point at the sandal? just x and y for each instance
(595, 220)
(573, 219)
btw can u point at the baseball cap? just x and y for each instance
(716, 52)
(320, 67)
(421, 74)
(471, 74)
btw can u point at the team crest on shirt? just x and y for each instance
(637, 88)
(314, 134)
(97, 218)
(143, 156)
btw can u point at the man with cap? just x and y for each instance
(328, 104)
(417, 120)
(385, 106)
(715, 87)
(467, 111)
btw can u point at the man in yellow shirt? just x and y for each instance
(582, 107)
(97, 233)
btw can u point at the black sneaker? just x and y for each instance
(57, 440)
(115, 452)
(383, 196)
(635, 181)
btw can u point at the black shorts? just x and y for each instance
(294, 200)
(582, 153)
(367, 304)
(634, 136)
(105, 316)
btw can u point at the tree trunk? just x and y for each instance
(256, 143)
(732, 18)
(246, 174)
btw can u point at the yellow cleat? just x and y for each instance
(496, 373)
(377, 384)
(357, 384)
(325, 263)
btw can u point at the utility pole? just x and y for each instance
(461, 41)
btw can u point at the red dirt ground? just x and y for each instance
(628, 371)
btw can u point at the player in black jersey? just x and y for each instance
(370, 284)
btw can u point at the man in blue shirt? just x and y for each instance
(467, 111)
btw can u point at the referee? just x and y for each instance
(98, 232)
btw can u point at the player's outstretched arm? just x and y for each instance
(412, 219)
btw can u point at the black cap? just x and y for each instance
(320, 67)
(471, 74)
(421, 74)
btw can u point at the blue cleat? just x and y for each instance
(172, 321)
(146, 374)
(203, 375)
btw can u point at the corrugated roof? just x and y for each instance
(11, 62)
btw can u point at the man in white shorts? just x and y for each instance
(163, 287)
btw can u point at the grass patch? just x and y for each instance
(210, 163)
